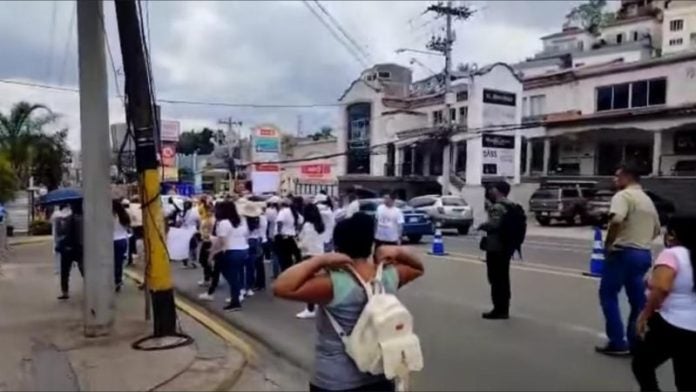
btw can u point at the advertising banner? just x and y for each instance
(265, 177)
(316, 171)
(498, 155)
(169, 131)
(499, 107)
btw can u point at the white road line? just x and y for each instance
(538, 245)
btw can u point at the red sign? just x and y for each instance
(169, 155)
(267, 132)
(319, 170)
(267, 167)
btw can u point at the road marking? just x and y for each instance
(573, 248)
(205, 319)
(571, 273)
(525, 263)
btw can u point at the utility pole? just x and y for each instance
(444, 46)
(142, 115)
(94, 134)
(231, 144)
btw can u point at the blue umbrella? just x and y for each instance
(62, 195)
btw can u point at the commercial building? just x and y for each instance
(309, 176)
(582, 105)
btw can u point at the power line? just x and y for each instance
(340, 28)
(352, 51)
(68, 41)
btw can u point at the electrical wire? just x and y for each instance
(340, 28)
(68, 41)
(352, 51)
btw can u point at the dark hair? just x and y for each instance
(502, 187)
(297, 208)
(228, 210)
(630, 169)
(312, 215)
(118, 209)
(682, 227)
(328, 202)
(253, 223)
(355, 236)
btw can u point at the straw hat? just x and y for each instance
(249, 209)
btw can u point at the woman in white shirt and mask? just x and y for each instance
(289, 219)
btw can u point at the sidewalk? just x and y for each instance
(44, 348)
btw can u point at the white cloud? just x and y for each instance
(260, 52)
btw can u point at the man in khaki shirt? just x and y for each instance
(633, 226)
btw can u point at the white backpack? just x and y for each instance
(382, 341)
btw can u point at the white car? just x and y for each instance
(446, 212)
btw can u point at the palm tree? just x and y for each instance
(18, 131)
(8, 181)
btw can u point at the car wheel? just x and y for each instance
(463, 230)
(414, 239)
(543, 220)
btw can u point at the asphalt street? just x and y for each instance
(546, 345)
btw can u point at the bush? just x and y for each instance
(40, 227)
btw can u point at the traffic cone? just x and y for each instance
(597, 258)
(438, 248)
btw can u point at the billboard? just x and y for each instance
(498, 155)
(499, 107)
(169, 131)
(316, 171)
(266, 145)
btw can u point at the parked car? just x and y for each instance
(416, 223)
(684, 168)
(566, 202)
(446, 212)
(598, 207)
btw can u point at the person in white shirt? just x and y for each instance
(121, 228)
(389, 220)
(666, 326)
(232, 239)
(311, 244)
(58, 212)
(271, 217)
(190, 220)
(253, 266)
(288, 220)
(328, 218)
(136, 217)
(353, 206)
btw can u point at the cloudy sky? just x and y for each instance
(269, 52)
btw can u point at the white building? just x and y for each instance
(308, 177)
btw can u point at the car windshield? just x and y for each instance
(545, 194)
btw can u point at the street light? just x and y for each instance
(402, 50)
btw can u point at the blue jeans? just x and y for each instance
(232, 262)
(120, 250)
(623, 268)
(248, 277)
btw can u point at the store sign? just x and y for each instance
(497, 97)
(319, 171)
(169, 131)
(265, 176)
(499, 108)
(267, 167)
(267, 144)
(498, 155)
(168, 155)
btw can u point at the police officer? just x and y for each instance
(498, 253)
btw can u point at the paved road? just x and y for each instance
(547, 345)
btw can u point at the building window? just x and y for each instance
(636, 94)
(462, 96)
(384, 75)
(463, 113)
(619, 38)
(453, 115)
(676, 25)
(537, 105)
(437, 117)
(581, 45)
(692, 37)
(370, 77)
(676, 42)
(525, 107)
(636, 36)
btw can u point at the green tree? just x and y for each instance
(591, 15)
(19, 130)
(200, 142)
(52, 154)
(8, 180)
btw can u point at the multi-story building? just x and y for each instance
(581, 106)
(302, 176)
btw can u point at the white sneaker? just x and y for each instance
(206, 297)
(228, 300)
(249, 293)
(242, 293)
(305, 314)
(203, 283)
(241, 298)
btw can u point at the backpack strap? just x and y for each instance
(336, 326)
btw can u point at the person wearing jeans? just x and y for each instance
(311, 244)
(256, 222)
(633, 225)
(232, 262)
(121, 226)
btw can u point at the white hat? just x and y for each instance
(320, 198)
(273, 200)
(249, 209)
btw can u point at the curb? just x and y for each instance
(29, 241)
(217, 327)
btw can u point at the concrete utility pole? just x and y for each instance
(94, 131)
(444, 46)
